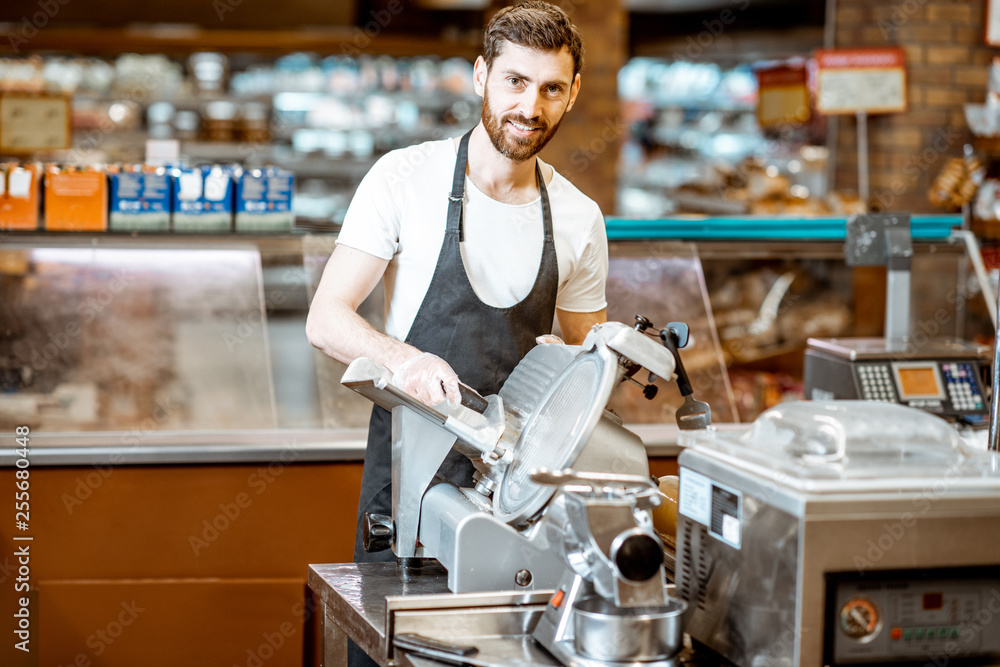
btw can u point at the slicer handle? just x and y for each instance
(471, 398)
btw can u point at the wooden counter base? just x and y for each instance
(179, 564)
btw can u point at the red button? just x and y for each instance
(557, 599)
(896, 633)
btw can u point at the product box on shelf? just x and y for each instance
(202, 199)
(19, 194)
(264, 200)
(140, 199)
(76, 199)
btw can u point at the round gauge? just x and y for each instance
(859, 619)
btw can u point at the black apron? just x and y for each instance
(481, 343)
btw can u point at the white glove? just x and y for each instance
(428, 378)
(549, 339)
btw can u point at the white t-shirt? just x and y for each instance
(400, 211)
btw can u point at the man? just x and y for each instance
(479, 243)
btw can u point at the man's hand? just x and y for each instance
(428, 378)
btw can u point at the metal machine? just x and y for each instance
(944, 377)
(840, 533)
(562, 498)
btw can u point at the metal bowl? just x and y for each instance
(603, 631)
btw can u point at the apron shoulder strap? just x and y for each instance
(543, 193)
(457, 197)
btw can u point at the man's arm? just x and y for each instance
(576, 326)
(333, 324)
(335, 327)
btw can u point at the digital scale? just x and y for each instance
(944, 377)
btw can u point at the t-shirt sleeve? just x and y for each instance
(584, 289)
(372, 220)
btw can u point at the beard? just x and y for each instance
(510, 146)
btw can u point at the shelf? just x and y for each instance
(760, 228)
(271, 243)
(791, 232)
(181, 41)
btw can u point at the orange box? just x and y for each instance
(76, 201)
(19, 192)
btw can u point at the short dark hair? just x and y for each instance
(536, 25)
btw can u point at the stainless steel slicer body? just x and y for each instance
(562, 498)
(550, 413)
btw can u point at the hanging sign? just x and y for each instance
(851, 81)
(782, 95)
(34, 122)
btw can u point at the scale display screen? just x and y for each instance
(918, 380)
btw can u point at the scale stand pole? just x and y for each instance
(883, 239)
(863, 189)
(994, 441)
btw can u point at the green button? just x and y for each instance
(954, 632)
(942, 633)
(907, 633)
(931, 633)
(918, 633)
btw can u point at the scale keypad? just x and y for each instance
(963, 390)
(876, 383)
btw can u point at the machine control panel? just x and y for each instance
(937, 386)
(948, 385)
(900, 617)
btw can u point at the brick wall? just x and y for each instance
(947, 65)
(585, 150)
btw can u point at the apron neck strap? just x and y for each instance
(457, 197)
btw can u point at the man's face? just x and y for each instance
(525, 95)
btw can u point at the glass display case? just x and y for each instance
(206, 334)
(115, 337)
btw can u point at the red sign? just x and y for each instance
(784, 75)
(882, 58)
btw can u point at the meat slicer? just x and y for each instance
(562, 498)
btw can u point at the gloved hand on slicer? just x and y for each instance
(428, 378)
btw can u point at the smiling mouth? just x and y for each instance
(524, 128)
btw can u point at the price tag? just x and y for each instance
(851, 81)
(30, 123)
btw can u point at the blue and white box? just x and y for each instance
(203, 199)
(139, 201)
(264, 200)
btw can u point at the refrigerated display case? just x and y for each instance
(112, 333)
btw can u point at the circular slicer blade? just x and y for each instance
(554, 435)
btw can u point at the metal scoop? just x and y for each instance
(693, 414)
